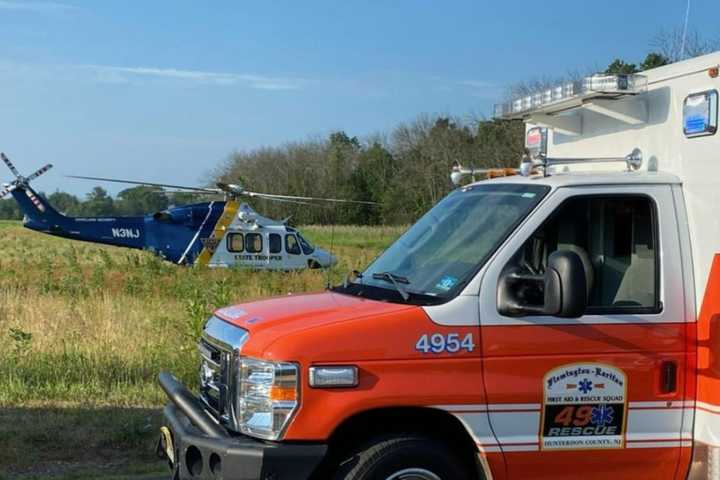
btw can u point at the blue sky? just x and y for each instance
(166, 90)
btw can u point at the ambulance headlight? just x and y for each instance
(267, 397)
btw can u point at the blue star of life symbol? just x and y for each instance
(602, 415)
(585, 385)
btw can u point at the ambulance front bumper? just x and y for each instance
(196, 447)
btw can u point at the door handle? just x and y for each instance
(668, 376)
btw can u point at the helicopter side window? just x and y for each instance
(275, 243)
(253, 243)
(291, 245)
(235, 242)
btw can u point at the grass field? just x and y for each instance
(85, 329)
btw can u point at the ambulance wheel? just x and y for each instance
(403, 458)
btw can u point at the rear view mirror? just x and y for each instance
(561, 291)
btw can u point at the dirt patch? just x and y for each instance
(78, 443)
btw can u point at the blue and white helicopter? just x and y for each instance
(222, 233)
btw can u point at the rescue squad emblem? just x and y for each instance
(584, 406)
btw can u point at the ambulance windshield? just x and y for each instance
(438, 255)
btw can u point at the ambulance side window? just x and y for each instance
(235, 242)
(616, 238)
(275, 243)
(253, 242)
(291, 245)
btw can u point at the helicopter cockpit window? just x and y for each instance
(235, 242)
(275, 243)
(291, 245)
(253, 243)
(307, 248)
(438, 255)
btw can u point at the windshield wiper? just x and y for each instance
(396, 280)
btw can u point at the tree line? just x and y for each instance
(405, 171)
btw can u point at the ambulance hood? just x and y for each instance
(297, 316)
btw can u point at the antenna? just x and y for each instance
(328, 282)
(684, 33)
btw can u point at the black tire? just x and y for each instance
(387, 457)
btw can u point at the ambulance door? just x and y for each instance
(600, 396)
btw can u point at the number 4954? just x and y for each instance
(439, 343)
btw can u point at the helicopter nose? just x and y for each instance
(326, 259)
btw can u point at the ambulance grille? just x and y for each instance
(219, 349)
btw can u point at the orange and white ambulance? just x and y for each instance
(562, 323)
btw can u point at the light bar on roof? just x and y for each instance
(599, 85)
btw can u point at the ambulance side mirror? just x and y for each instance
(565, 285)
(560, 292)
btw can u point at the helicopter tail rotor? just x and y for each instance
(19, 181)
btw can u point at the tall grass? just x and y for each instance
(85, 323)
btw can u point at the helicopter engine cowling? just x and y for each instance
(173, 215)
(191, 216)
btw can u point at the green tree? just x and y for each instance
(182, 198)
(653, 60)
(9, 210)
(343, 155)
(64, 203)
(620, 67)
(370, 181)
(98, 203)
(500, 143)
(140, 200)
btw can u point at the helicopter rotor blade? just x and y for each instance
(231, 190)
(269, 196)
(10, 165)
(149, 184)
(193, 194)
(35, 175)
(190, 192)
(285, 200)
(7, 190)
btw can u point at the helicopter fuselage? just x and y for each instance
(216, 234)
